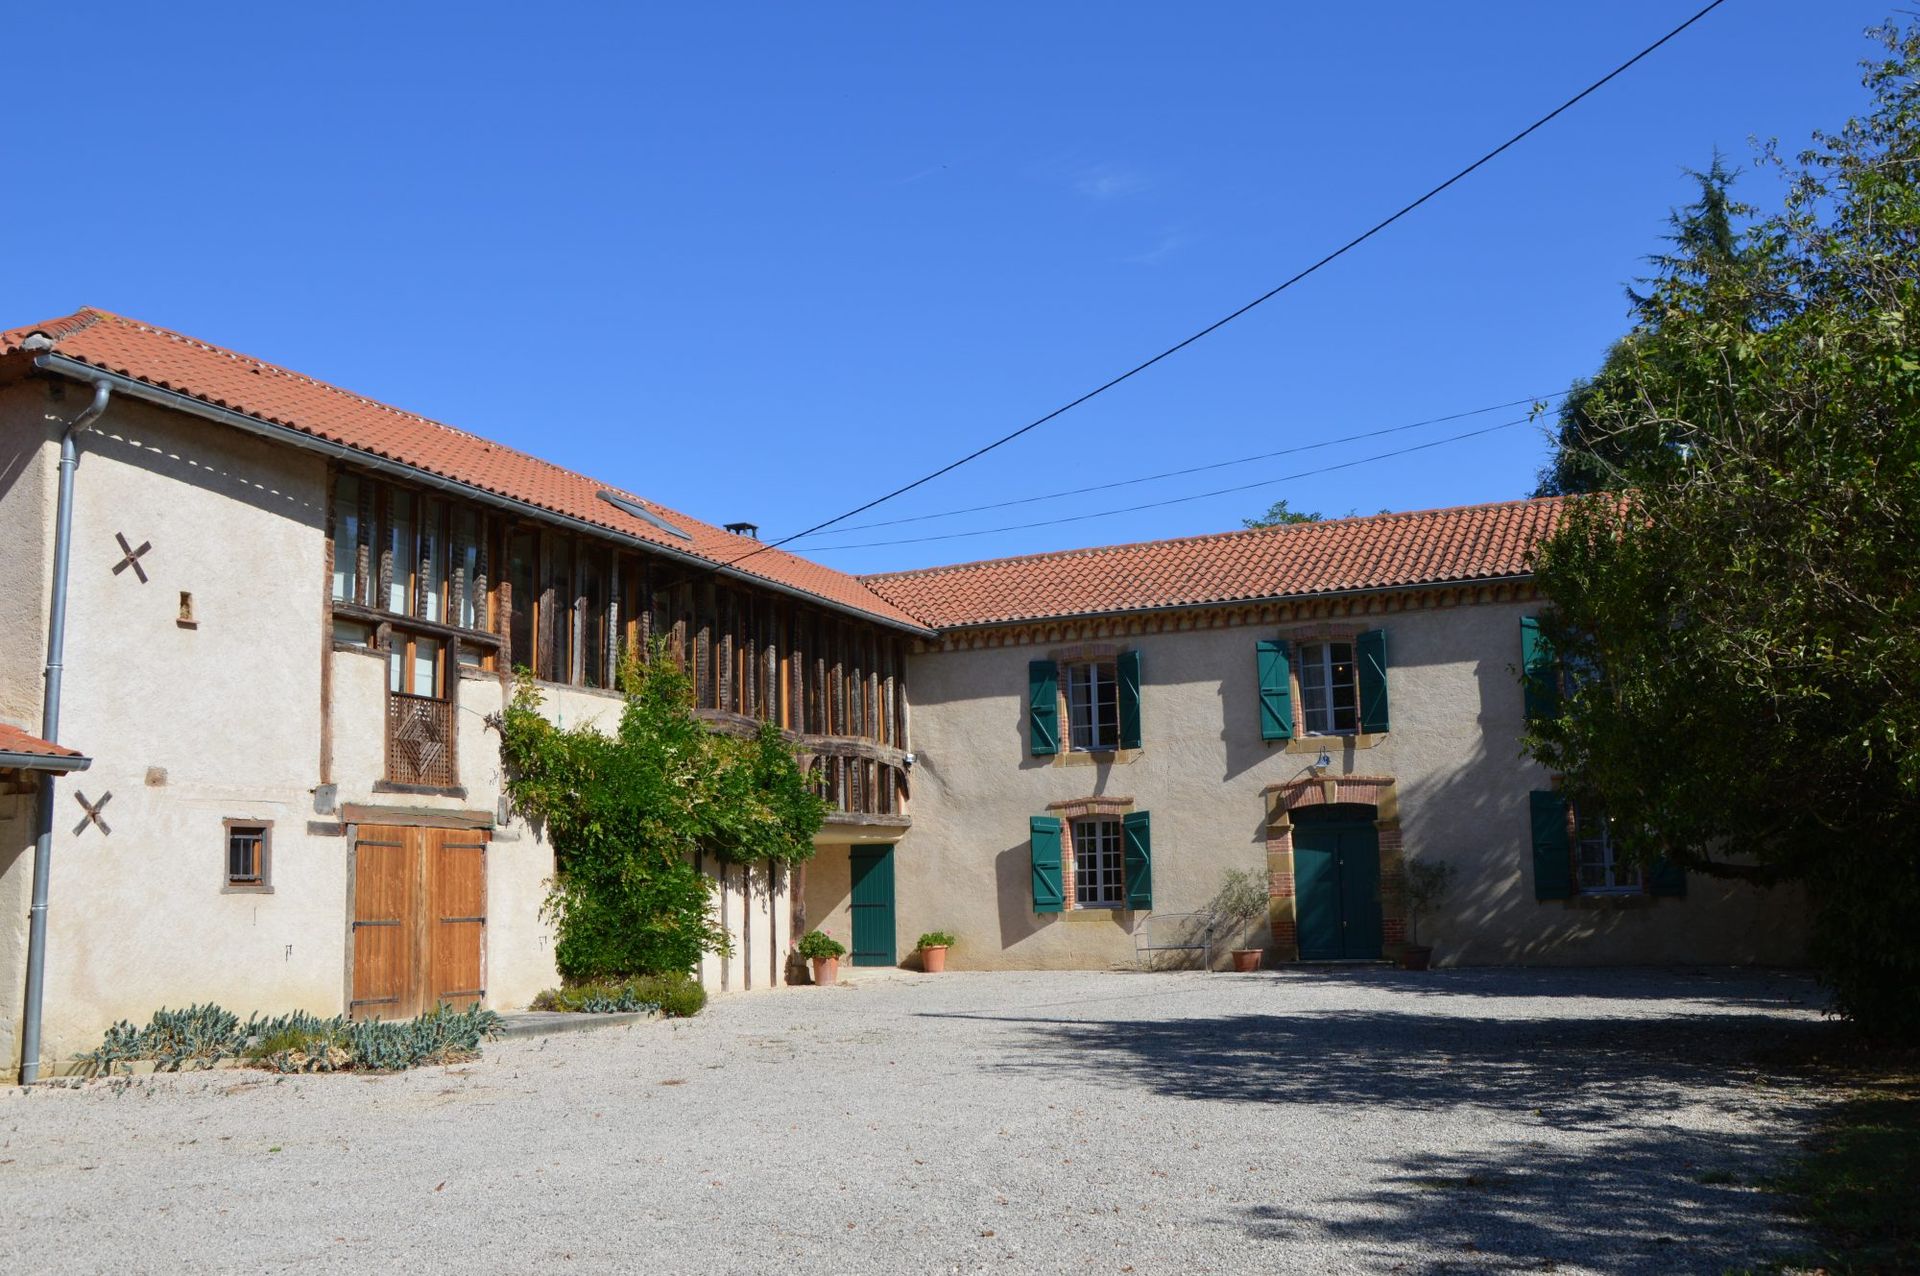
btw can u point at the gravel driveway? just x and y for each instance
(1308, 1120)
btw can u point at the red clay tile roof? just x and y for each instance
(267, 393)
(1385, 551)
(14, 740)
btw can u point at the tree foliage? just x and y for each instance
(1278, 515)
(1740, 610)
(627, 814)
(1599, 439)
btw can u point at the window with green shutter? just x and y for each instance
(1043, 707)
(1552, 845)
(1273, 664)
(1128, 667)
(1049, 895)
(1137, 831)
(1539, 670)
(1371, 650)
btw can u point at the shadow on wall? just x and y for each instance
(1661, 1200)
(1013, 891)
(1475, 815)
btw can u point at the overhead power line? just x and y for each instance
(1201, 469)
(1264, 297)
(1180, 500)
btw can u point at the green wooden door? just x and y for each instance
(872, 905)
(1336, 888)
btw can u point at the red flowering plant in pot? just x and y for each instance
(825, 952)
(1428, 882)
(1242, 900)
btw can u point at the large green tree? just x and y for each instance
(1741, 606)
(1595, 444)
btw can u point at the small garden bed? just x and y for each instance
(671, 996)
(206, 1036)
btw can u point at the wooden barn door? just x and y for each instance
(419, 920)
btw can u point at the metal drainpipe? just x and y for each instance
(50, 732)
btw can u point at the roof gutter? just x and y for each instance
(57, 763)
(1262, 600)
(50, 732)
(132, 388)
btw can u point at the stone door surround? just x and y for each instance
(1288, 796)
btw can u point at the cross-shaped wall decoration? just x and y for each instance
(92, 815)
(132, 558)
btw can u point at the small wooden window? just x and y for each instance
(249, 855)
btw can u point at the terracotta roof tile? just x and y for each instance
(14, 740)
(1385, 551)
(272, 394)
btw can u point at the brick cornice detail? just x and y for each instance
(1075, 808)
(1310, 610)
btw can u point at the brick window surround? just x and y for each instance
(1079, 809)
(1376, 791)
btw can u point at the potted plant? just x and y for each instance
(825, 952)
(1242, 899)
(1427, 884)
(933, 951)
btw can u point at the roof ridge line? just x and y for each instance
(1091, 551)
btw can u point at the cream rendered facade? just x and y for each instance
(191, 725)
(1214, 790)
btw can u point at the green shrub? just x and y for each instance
(936, 939)
(200, 1036)
(674, 996)
(817, 943)
(629, 814)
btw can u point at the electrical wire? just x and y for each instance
(1541, 399)
(1264, 297)
(1179, 500)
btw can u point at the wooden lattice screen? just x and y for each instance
(420, 741)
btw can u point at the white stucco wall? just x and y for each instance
(1453, 751)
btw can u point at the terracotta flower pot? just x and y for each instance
(934, 960)
(826, 970)
(1247, 959)
(1415, 957)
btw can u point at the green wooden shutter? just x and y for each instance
(1276, 689)
(1049, 896)
(1667, 878)
(1552, 848)
(1043, 707)
(1539, 670)
(1371, 648)
(1128, 667)
(1137, 838)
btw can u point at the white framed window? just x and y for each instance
(1099, 871)
(1329, 689)
(1598, 865)
(1093, 707)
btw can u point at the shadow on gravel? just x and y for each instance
(1649, 1201)
(1744, 988)
(1563, 1071)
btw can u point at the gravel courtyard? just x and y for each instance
(1311, 1120)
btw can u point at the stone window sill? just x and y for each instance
(1334, 743)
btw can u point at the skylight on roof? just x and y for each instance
(639, 511)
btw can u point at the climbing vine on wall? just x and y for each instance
(627, 813)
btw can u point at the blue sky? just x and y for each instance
(766, 262)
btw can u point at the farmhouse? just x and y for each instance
(288, 611)
(1102, 733)
(259, 623)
